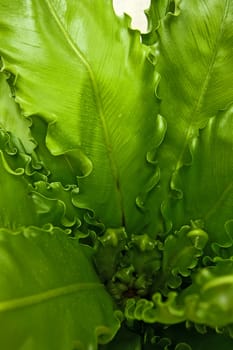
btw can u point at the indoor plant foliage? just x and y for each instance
(116, 175)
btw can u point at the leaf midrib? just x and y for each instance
(39, 298)
(204, 86)
(213, 209)
(98, 101)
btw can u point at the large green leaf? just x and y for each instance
(89, 79)
(207, 185)
(195, 63)
(50, 295)
(89, 90)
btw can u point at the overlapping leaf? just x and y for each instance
(11, 118)
(157, 12)
(17, 207)
(99, 143)
(207, 185)
(195, 64)
(16, 163)
(91, 83)
(50, 295)
(155, 310)
(26, 196)
(209, 299)
(181, 252)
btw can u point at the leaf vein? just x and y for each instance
(213, 209)
(19, 303)
(98, 101)
(203, 89)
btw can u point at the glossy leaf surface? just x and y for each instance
(209, 300)
(95, 89)
(126, 143)
(195, 64)
(50, 296)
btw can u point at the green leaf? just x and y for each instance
(207, 185)
(108, 250)
(59, 168)
(25, 160)
(195, 64)
(90, 140)
(54, 204)
(23, 200)
(11, 118)
(50, 295)
(19, 164)
(157, 12)
(181, 253)
(209, 299)
(155, 310)
(16, 169)
(87, 76)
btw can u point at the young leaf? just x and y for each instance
(50, 295)
(155, 310)
(180, 254)
(209, 299)
(89, 79)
